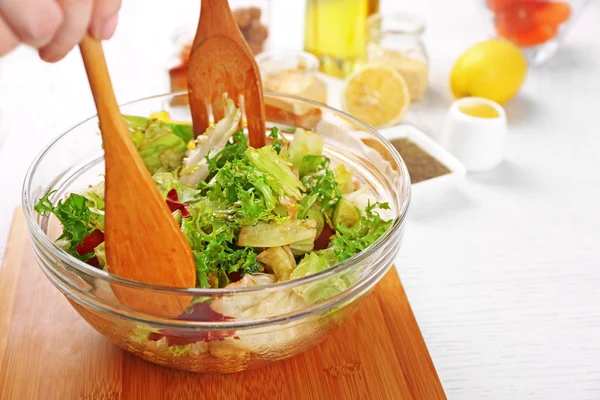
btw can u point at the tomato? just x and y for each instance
(198, 312)
(94, 262)
(90, 242)
(552, 13)
(537, 35)
(234, 276)
(499, 5)
(529, 22)
(516, 18)
(323, 240)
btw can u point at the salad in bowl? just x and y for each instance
(287, 239)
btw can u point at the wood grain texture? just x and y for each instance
(502, 270)
(222, 63)
(49, 352)
(133, 200)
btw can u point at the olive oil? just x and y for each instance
(336, 33)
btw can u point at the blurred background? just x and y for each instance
(552, 137)
(146, 42)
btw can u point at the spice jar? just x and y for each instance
(252, 17)
(295, 73)
(396, 40)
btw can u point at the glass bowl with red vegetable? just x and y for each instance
(288, 239)
(537, 26)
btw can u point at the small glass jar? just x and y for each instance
(292, 72)
(295, 73)
(396, 40)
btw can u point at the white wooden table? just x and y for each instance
(502, 270)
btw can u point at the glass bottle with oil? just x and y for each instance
(336, 33)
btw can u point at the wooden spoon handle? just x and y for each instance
(215, 19)
(97, 72)
(143, 241)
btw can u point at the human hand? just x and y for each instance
(54, 27)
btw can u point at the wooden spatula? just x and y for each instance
(143, 241)
(221, 62)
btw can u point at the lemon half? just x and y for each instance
(377, 95)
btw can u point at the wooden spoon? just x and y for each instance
(221, 62)
(143, 241)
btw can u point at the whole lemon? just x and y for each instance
(494, 69)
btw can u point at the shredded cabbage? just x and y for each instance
(278, 260)
(195, 165)
(305, 143)
(275, 234)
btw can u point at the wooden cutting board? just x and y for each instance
(48, 352)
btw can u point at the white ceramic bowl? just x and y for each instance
(457, 169)
(479, 143)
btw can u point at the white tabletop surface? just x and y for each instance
(502, 269)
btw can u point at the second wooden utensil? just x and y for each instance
(221, 62)
(143, 242)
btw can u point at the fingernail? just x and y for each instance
(109, 28)
(48, 55)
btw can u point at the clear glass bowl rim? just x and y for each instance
(39, 234)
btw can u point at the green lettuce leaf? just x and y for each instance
(309, 265)
(305, 143)
(212, 244)
(315, 292)
(241, 193)
(278, 171)
(324, 185)
(233, 151)
(343, 177)
(95, 202)
(278, 140)
(313, 164)
(76, 217)
(183, 130)
(100, 253)
(349, 241)
(168, 180)
(275, 234)
(161, 149)
(136, 123)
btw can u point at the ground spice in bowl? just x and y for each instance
(421, 165)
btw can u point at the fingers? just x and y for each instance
(77, 15)
(32, 21)
(8, 40)
(104, 18)
(55, 26)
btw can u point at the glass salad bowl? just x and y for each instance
(229, 329)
